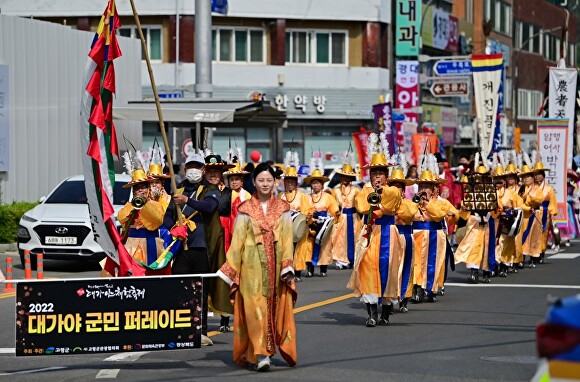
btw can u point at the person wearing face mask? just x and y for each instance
(260, 275)
(198, 201)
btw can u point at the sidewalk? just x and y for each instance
(11, 247)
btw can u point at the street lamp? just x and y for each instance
(516, 88)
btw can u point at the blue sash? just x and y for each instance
(407, 232)
(544, 205)
(150, 237)
(432, 227)
(528, 228)
(427, 225)
(316, 248)
(491, 246)
(349, 212)
(385, 249)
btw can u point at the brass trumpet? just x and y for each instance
(417, 198)
(138, 202)
(374, 199)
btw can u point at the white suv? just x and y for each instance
(59, 226)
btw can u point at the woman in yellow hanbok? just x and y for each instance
(549, 207)
(532, 224)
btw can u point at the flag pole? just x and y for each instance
(158, 106)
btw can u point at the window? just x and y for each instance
(551, 50)
(316, 47)
(469, 11)
(238, 45)
(529, 103)
(153, 36)
(500, 14)
(507, 93)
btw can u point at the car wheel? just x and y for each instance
(32, 260)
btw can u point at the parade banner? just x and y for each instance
(408, 27)
(561, 97)
(420, 141)
(407, 84)
(99, 141)
(487, 70)
(383, 116)
(108, 315)
(361, 143)
(553, 148)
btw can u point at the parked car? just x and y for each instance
(59, 227)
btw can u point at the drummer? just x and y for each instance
(346, 231)
(299, 202)
(325, 208)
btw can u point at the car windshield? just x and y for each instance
(73, 192)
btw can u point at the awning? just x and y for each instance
(207, 111)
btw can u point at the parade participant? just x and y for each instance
(477, 244)
(373, 279)
(512, 185)
(411, 190)
(199, 202)
(430, 239)
(260, 275)
(549, 207)
(448, 181)
(403, 264)
(532, 224)
(299, 202)
(347, 228)
(141, 218)
(325, 210)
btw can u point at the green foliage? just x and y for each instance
(10, 215)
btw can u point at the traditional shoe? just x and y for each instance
(322, 274)
(385, 312)
(403, 309)
(309, 274)
(263, 364)
(542, 258)
(431, 297)
(297, 279)
(206, 341)
(473, 278)
(486, 279)
(441, 292)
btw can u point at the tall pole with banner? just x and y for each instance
(561, 96)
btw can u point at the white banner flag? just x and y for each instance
(486, 80)
(561, 100)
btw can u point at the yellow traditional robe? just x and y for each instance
(533, 197)
(322, 202)
(404, 217)
(345, 199)
(549, 195)
(435, 211)
(473, 248)
(507, 249)
(261, 251)
(299, 201)
(366, 276)
(519, 248)
(441, 255)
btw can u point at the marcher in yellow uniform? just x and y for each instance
(379, 239)
(532, 225)
(259, 272)
(347, 228)
(402, 261)
(512, 185)
(549, 207)
(299, 202)
(325, 212)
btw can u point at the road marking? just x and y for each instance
(524, 359)
(7, 294)
(564, 256)
(538, 286)
(107, 373)
(126, 357)
(35, 370)
(7, 351)
(322, 303)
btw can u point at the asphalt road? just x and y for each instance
(473, 333)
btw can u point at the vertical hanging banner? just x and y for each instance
(553, 147)
(562, 94)
(407, 84)
(383, 116)
(361, 142)
(487, 71)
(408, 25)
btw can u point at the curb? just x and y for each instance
(8, 247)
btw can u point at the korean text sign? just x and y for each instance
(108, 315)
(408, 22)
(553, 148)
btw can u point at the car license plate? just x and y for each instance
(66, 240)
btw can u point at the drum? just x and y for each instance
(323, 235)
(511, 222)
(298, 225)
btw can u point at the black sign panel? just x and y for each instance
(108, 315)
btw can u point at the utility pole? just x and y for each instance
(203, 55)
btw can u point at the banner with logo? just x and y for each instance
(408, 30)
(487, 70)
(383, 116)
(361, 144)
(108, 315)
(407, 84)
(553, 148)
(561, 100)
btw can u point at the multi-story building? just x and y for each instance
(322, 62)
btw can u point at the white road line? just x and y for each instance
(564, 256)
(35, 370)
(537, 286)
(108, 374)
(126, 357)
(7, 351)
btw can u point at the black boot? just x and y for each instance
(372, 309)
(385, 312)
(403, 306)
(416, 298)
(225, 324)
(502, 270)
(542, 258)
(486, 277)
(533, 262)
(309, 270)
(323, 270)
(473, 276)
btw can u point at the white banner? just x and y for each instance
(486, 86)
(561, 100)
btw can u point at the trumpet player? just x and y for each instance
(378, 240)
